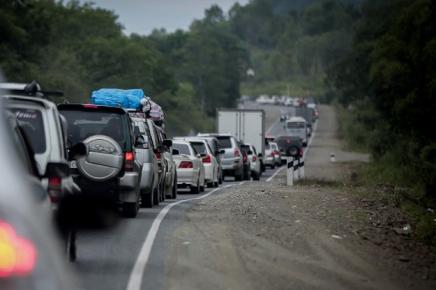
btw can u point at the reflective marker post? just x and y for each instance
(290, 171)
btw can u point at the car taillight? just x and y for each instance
(17, 255)
(90, 106)
(237, 153)
(54, 188)
(254, 157)
(158, 156)
(207, 159)
(244, 158)
(129, 161)
(186, 164)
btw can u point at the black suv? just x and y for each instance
(290, 146)
(110, 171)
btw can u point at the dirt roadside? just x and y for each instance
(313, 236)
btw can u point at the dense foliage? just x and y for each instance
(389, 79)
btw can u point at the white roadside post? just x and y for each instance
(301, 169)
(290, 171)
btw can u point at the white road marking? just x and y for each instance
(135, 279)
(275, 173)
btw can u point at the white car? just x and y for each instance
(190, 169)
(210, 162)
(255, 166)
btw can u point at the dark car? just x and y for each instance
(109, 173)
(290, 146)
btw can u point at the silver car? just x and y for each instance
(231, 159)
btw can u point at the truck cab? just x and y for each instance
(297, 126)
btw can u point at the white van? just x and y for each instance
(297, 126)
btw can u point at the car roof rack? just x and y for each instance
(32, 89)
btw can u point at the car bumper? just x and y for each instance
(187, 177)
(129, 184)
(208, 172)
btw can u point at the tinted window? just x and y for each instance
(31, 122)
(245, 148)
(199, 147)
(83, 124)
(224, 142)
(295, 125)
(183, 148)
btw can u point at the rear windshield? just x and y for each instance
(224, 142)
(284, 143)
(183, 148)
(200, 147)
(295, 125)
(245, 148)
(32, 124)
(83, 124)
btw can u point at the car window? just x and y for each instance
(295, 125)
(182, 148)
(224, 142)
(199, 147)
(83, 124)
(32, 124)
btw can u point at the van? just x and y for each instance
(297, 126)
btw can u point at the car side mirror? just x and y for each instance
(167, 143)
(175, 152)
(57, 169)
(140, 141)
(77, 151)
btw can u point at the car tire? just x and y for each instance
(238, 177)
(156, 197)
(130, 209)
(273, 166)
(147, 200)
(195, 189)
(174, 192)
(210, 184)
(255, 175)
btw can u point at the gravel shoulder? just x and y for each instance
(316, 235)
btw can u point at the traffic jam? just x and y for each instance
(87, 164)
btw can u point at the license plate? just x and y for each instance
(73, 164)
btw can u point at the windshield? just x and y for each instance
(199, 147)
(83, 124)
(183, 148)
(32, 124)
(224, 142)
(295, 125)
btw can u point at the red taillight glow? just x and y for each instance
(90, 106)
(254, 157)
(244, 158)
(17, 255)
(158, 156)
(237, 153)
(186, 164)
(207, 159)
(54, 188)
(129, 160)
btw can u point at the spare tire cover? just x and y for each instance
(104, 159)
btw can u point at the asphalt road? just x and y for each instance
(133, 255)
(106, 258)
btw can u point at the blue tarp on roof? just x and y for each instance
(127, 99)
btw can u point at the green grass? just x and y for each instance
(353, 134)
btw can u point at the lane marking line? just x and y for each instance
(275, 174)
(135, 279)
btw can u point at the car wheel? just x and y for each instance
(147, 200)
(255, 175)
(196, 189)
(174, 193)
(156, 197)
(238, 177)
(130, 209)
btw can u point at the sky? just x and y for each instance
(142, 16)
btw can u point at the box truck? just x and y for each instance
(248, 126)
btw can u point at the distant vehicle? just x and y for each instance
(218, 152)
(290, 146)
(190, 169)
(272, 152)
(288, 102)
(246, 162)
(110, 172)
(264, 100)
(248, 126)
(231, 160)
(210, 162)
(297, 126)
(150, 169)
(255, 168)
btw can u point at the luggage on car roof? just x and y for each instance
(127, 99)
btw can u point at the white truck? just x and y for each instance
(248, 126)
